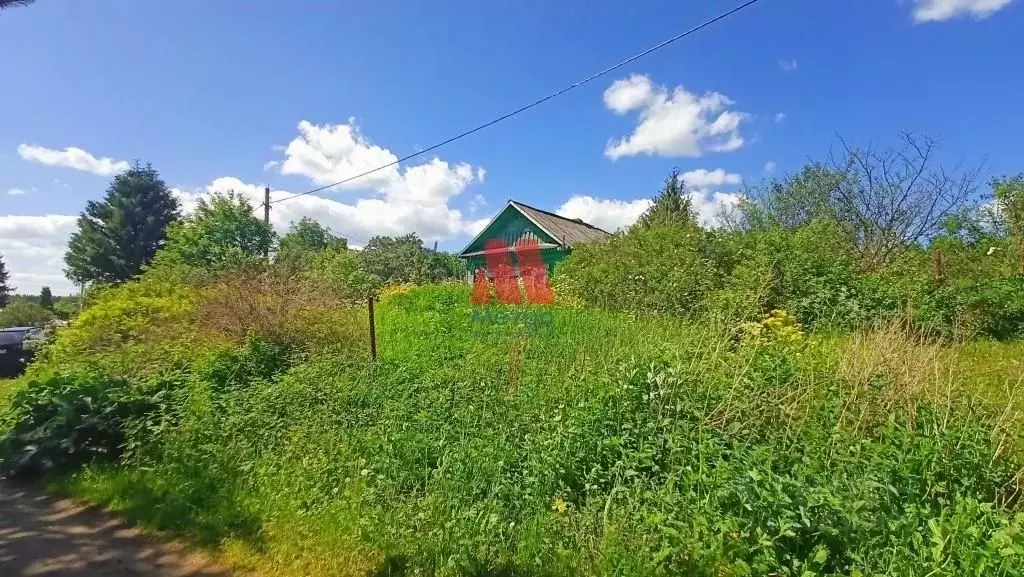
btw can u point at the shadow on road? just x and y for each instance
(43, 536)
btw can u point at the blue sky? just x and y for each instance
(238, 94)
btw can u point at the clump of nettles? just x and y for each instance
(777, 326)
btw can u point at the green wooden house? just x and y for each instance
(555, 234)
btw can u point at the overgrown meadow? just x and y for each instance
(600, 443)
(763, 400)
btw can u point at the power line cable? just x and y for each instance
(522, 109)
(349, 237)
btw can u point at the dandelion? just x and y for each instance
(559, 505)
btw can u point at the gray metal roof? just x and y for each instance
(567, 231)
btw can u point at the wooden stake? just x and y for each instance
(373, 330)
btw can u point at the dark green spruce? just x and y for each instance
(46, 298)
(672, 205)
(119, 235)
(5, 289)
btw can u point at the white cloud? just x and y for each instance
(611, 214)
(401, 199)
(358, 220)
(271, 164)
(938, 10)
(629, 94)
(788, 65)
(710, 205)
(33, 251)
(769, 167)
(397, 201)
(702, 184)
(331, 153)
(477, 202)
(676, 123)
(708, 200)
(704, 178)
(608, 214)
(15, 191)
(779, 117)
(474, 227)
(72, 157)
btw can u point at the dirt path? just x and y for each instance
(42, 536)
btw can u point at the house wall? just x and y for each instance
(550, 257)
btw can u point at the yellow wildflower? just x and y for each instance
(559, 505)
(777, 325)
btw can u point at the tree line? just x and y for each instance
(867, 235)
(139, 225)
(860, 234)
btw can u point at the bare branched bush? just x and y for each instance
(890, 199)
(885, 200)
(281, 308)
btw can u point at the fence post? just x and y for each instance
(373, 330)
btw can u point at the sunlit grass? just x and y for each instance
(596, 443)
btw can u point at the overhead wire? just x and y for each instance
(533, 104)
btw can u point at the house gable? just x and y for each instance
(509, 226)
(555, 235)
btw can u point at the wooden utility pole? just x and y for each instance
(266, 216)
(373, 330)
(266, 204)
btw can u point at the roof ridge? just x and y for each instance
(572, 220)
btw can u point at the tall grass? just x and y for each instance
(596, 444)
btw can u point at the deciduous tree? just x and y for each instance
(884, 200)
(20, 312)
(304, 239)
(222, 233)
(1009, 201)
(396, 259)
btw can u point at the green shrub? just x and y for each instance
(997, 307)
(341, 272)
(20, 312)
(299, 313)
(119, 317)
(221, 234)
(59, 422)
(257, 359)
(660, 269)
(807, 271)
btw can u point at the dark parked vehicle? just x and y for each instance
(17, 347)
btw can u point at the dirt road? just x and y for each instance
(42, 536)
